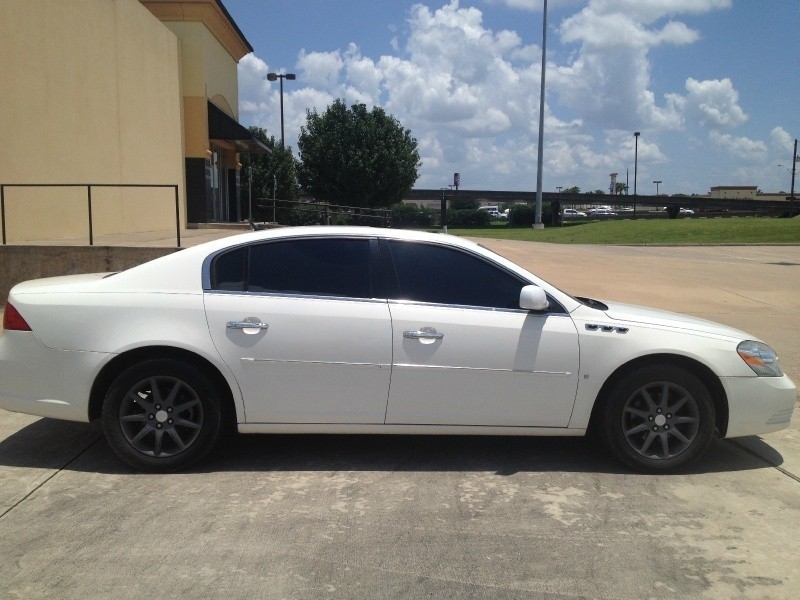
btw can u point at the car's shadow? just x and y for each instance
(51, 444)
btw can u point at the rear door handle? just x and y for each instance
(425, 333)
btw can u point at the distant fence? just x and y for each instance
(299, 212)
(89, 212)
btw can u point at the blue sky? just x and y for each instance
(712, 85)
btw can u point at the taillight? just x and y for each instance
(13, 321)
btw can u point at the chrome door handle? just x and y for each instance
(426, 333)
(246, 325)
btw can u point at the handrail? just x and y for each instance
(325, 210)
(89, 187)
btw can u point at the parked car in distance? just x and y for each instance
(494, 212)
(302, 330)
(571, 213)
(602, 212)
(686, 211)
(625, 209)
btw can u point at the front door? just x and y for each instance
(465, 353)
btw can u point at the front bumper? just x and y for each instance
(758, 404)
(38, 380)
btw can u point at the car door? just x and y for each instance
(303, 326)
(464, 353)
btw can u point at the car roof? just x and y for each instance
(182, 271)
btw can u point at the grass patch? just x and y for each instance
(689, 232)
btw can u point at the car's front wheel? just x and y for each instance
(658, 418)
(161, 415)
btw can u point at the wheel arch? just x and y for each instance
(698, 369)
(114, 368)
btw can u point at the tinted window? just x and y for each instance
(227, 271)
(430, 273)
(319, 267)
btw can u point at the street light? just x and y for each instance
(636, 135)
(281, 76)
(657, 182)
(537, 213)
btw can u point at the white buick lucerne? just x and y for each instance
(359, 330)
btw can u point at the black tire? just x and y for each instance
(658, 418)
(162, 415)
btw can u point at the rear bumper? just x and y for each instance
(37, 380)
(759, 404)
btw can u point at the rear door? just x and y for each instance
(303, 326)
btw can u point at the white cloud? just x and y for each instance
(649, 11)
(469, 94)
(782, 141)
(740, 147)
(320, 69)
(714, 103)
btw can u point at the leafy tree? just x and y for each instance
(356, 157)
(599, 192)
(620, 188)
(271, 173)
(573, 190)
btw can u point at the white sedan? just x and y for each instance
(359, 330)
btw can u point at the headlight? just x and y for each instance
(761, 358)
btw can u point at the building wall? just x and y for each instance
(90, 94)
(207, 70)
(733, 192)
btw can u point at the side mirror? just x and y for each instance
(532, 297)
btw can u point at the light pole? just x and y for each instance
(537, 219)
(636, 135)
(794, 168)
(281, 76)
(657, 182)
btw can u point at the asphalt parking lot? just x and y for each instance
(413, 516)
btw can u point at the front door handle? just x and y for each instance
(425, 333)
(253, 324)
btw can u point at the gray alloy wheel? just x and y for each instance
(658, 418)
(161, 415)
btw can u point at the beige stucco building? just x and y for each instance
(118, 92)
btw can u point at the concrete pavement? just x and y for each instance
(412, 516)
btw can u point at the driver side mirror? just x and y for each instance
(532, 297)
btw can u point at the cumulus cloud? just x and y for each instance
(740, 147)
(714, 103)
(609, 79)
(469, 93)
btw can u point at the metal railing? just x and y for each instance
(300, 212)
(89, 187)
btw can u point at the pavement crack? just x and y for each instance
(779, 468)
(41, 484)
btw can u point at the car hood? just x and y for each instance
(651, 316)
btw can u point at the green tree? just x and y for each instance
(272, 173)
(356, 157)
(573, 190)
(620, 188)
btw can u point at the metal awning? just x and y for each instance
(223, 127)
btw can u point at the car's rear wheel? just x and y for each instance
(162, 415)
(658, 418)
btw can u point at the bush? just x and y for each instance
(467, 218)
(462, 203)
(522, 215)
(411, 215)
